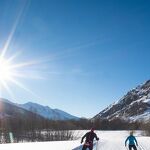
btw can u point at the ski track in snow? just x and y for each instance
(115, 140)
(109, 140)
(142, 143)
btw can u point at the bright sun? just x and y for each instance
(6, 71)
(10, 72)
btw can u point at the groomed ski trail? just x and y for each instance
(115, 140)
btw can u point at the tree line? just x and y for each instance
(36, 128)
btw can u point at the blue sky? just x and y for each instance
(90, 53)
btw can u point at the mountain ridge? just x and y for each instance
(47, 112)
(133, 106)
(11, 110)
(43, 111)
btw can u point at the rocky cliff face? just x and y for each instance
(133, 106)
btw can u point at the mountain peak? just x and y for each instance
(146, 84)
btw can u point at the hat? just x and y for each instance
(92, 129)
(131, 132)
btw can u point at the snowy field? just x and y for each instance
(109, 140)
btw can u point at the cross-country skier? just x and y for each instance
(132, 141)
(89, 139)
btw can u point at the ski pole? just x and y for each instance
(139, 147)
(79, 147)
(97, 145)
(126, 147)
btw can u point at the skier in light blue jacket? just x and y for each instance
(132, 141)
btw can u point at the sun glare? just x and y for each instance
(10, 72)
(5, 70)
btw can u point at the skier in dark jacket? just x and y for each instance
(132, 141)
(89, 139)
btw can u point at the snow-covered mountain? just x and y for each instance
(8, 108)
(47, 112)
(133, 106)
(11, 110)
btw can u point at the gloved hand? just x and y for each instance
(81, 141)
(136, 144)
(97, 139)
(125, 145)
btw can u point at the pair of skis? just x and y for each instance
(95, 146)
(80, 147)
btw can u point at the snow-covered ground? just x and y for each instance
(109, 140)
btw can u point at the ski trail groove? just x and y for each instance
(115, 140)
(141, 147)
